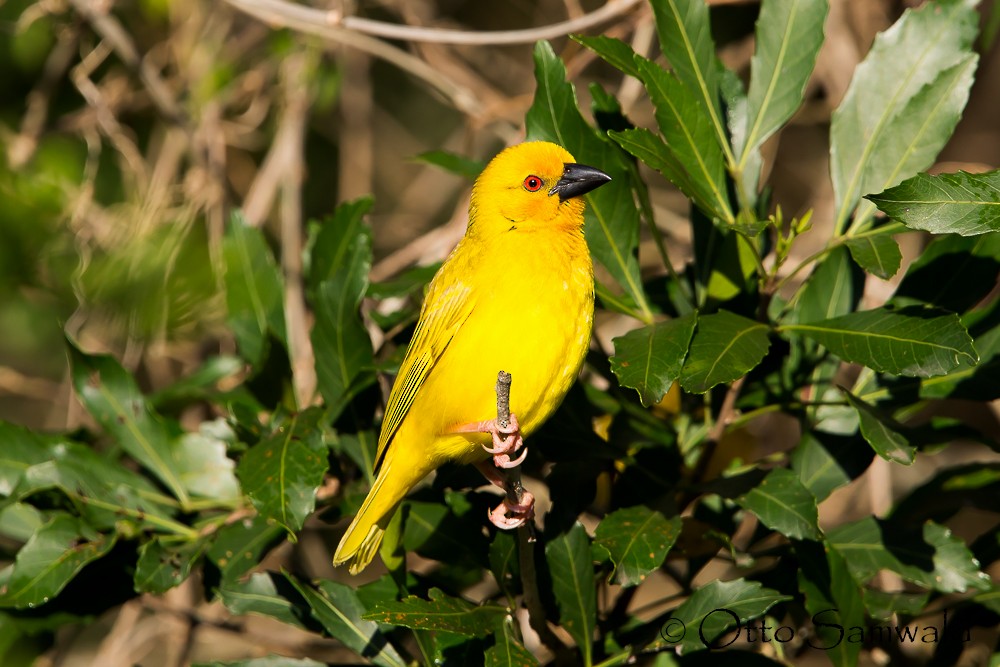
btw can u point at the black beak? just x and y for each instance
(578, 179)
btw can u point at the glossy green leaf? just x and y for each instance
(611, 217)
(440, 612)
(908, 341)
(637, 540)
(654, 153)
(879, 255)
(341, 259)
(507, 651)
(788, 36)
(614, 51)
(938, 561)
(239, 546)
(112, 398)
(784, 504)
(725, 347)
(688, 133)
(21, 448)
(254, 289)
(163, 565)
(258, 595)
(960, 203)
(882, 432)
(51, 559)
(833, 599)
(685, 34)
(574, 586)
(650, 359)
(911, 54)
(282, 472)
(715, 607)
(337, 607)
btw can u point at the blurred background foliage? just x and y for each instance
(131, 130)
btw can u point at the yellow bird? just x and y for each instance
(516, 294)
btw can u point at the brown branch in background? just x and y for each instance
(525, 534)
(726, 414)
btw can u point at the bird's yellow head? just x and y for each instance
(532, 185)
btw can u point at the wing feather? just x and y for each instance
(440, 319)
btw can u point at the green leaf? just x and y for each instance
(258, 595)
(455, 164)
(239, 546)
(341, 259)
(269, 661)
(163, 565)
(204, 468)
(19, 521)
(112, 398)
(282, 472)
(360, 447)
(886, 606)
(637, 539)
(882, 432)
(650, 359)
(614, 51)
(507, 651)
(106, 494)
(879, 255)
(904, 59)
(788, 36)
(715, 607)
(21, 448)
(725, 347)
(504, 560)
(573, 584)
(960, 203)
(611, 217)
(833, 599)
(825, 462)
(337, 607)
(254, 290)
(441, 612)
(953, 272)
(833, 289)
(908, 341)
(655, 154)
(686, 39)
(51, 559)
(939, 561)
(199, 385)
(687, 132)
(784, 504)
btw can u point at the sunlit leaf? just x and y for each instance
(238, 547)
(259, 595)
(440, 612)
(882, 433)
(725, 347)
(163, 565)
(878, 255)
(717, 606)
(960, 203)
(637, 540)
(649, 359)
(784, 504)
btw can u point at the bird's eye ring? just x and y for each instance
(533, 183)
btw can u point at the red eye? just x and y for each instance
(532, 184)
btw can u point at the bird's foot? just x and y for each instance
(508, 515)
(507, 440)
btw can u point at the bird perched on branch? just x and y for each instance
(516, 294)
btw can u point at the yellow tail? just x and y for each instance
(363, 537)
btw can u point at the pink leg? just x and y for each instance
(507, 515)
(506, 440)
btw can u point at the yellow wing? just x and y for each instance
(444, 312)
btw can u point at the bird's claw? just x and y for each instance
(508, 515)
(506, 440)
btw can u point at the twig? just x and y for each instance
(286, 13)
(726, 413)
(525, 533)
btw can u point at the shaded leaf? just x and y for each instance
(879, 254)
(19, 521)
(282, 472)
(504, 560)
(440, 612)
(953, 272)
(337, 608)
(725, 347)
(507, 651)
(254, 290)
(239, 546)
(784, 504)
(937, 561)
(833, 600)
(715, 607)
(825, 462)
(908, 341)
(163, 565)
(882, 432)
(655, 154)
(112, 398)
(51, 559)
(960, 203)
(832, 289)
(650, 359)
(934, 39)
(611, 217)
(573, 584)
(637, 539)
(455, 164)
(199, 385)
(614, 51)
(258, 595)
(341, 259)
(22, 448)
